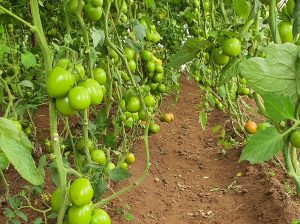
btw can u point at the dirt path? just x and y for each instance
(190, 182)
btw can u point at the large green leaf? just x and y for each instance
(278, 73)
(241, 8)
(188, 52)
(22, 160)
(263, 146)
(279, 107)
(28, 60)
(3, 161)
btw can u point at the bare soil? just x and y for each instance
(190, 181)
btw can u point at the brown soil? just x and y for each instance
(190, 181)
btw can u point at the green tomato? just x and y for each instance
(133, 105)
(132, 65)
(150, 66)
(156, 37)
(63, 63)
(129, 53)
(100, 75)
(129, 122)
(80, 215)
(159, 68)
(286, 31)
(123, 18)
(262, 126)
(63, 106)
(295, 139)
(219, 58)
(123, 165)
(99, 216)
(158, 77)
(142, 115)
(94, 89)
(55, 200)
(93, 13)
(112, 53)
(232, 47)
(59, 82)
(149, 35)
(98, 156)
(150, 100)
(79, 98)
(73, 5)
(130, 158)
(81, 145)
(154, 128)
(79, 72)
(290, 5)
(162, 88)
(110, 166)
(153, 86)
(146, 55)
(81, 192)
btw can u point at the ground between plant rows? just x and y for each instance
(190, 181)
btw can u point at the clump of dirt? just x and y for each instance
(190, 181)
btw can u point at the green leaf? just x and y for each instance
(101, 120)
(279, 107)
(98, 37)
(28, 60)
(110, 140)
(100, 187)
(229, 71)
(188, 52)
(140, 31)
(117, 174)
(241, 8)
(275, 74)
(263, 146)
(3, 161)
(21, 215)
(22, 160)
(149, 3)
(27, 83)
(203, 120)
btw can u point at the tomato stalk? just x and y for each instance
(145, 136)
(86, 134)
(5, 184)
(272, 20)
(204, 18)
(10, 99)
(212, 14)
(110, 89)
(224, 11)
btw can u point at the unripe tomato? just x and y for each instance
(98, 156)
(99, 216)
(154, 128)
(129, 53)
(55, 200)
(159, 68)
(132, 65)
(129, 122)
(250, 127)
(123, 18)
(63, 63)
(262, 126)
(130, 158)
(150, 66)
(142, 115)
(172, 116)
(80, 215)
(149, 35)
(158, 77)
(97, 3)
(153, 86)
(81, 192)
(63, 106)
(94, 89)
(59, 82)
(123, 165)
(232, 47)
(162, 88)
(295, 138)
(219, 58)
(93, 13)
(73, 5)
(81, 145)
(146, 55)
(286, 31)
(166, 118)
(156, 37)
(133, 105)
(100, 75)
(79, 98)
(112, 53)
(110, 166)
(79, 72)
(290, 5)
(150, 100)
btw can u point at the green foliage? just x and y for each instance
(118, 174)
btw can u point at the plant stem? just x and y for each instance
(272, 20)
(224, 11)
(6, 185)
(295, 161)
(33, 28)
(86, 135)
(212, 14)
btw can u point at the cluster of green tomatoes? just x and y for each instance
(81, 209)
(69, 98)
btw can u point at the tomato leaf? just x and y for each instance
(241, 8)
(117, 174)
(263, 146)
(28, 60)
(139, 31)
(203, 120)
(278, 73)
(98, 37)
(188, 52)
(3, 161)
(22, 160)
(149, 3)
(279, 107)
(229, 71)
